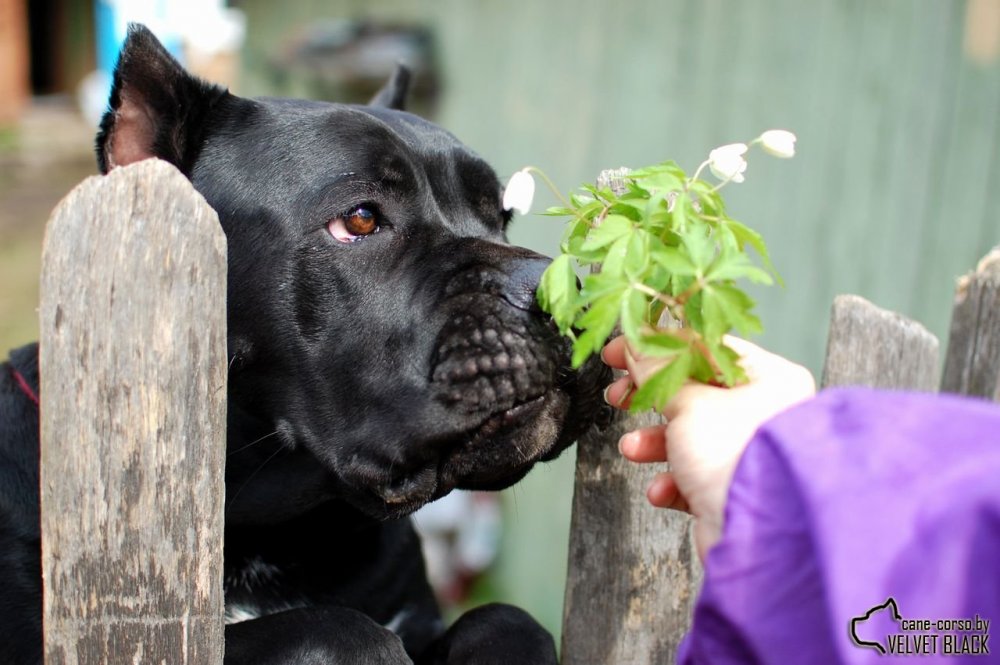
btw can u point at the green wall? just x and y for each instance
(895, 190)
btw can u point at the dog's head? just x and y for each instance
(380, 325)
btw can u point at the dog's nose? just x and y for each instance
(411, 488)
(523, 278)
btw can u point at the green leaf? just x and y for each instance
(682, 210)
(559, 211)
(633, 210)
(699, 247)
(633, 313)
(731, 264)
(692, 312)
(728, 362)
(600, 318)
(747, 236)
(660, 344)
(614, 260)
(557, 292)
(602, 283)
(675, 261)
(574, 247)
(576, 228)
(701, 370)
(637, 259)
(589, 342)
(610, 229)
(591, 210)
(602, 313)
(663, 385)
(723, 307)
(665, 177)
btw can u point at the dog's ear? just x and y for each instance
(393, 94)
(156, 108)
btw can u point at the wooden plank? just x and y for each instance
(870, 346)
(972, 362)
(633, 572)
(133, 371)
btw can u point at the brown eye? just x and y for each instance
(353, 225)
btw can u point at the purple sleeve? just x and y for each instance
(858, 522)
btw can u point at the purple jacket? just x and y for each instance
(859, 522)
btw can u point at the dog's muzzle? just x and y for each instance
(499, 373)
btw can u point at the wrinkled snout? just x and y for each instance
(496, 348)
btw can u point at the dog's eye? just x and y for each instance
(353, 225)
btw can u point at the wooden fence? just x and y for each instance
(133, 362)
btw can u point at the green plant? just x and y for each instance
(670, 257)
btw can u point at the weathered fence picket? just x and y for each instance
(871, 346)
(133, 367)
(972, 363)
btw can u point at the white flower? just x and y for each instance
(519, 192)
(778, 142)
(727, 163)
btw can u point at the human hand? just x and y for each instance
(707, 428)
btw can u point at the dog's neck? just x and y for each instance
(268, 481)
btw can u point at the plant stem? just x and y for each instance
(662, 297)
(697, 173)
(703, 349)
(673, 305)
(550, 184)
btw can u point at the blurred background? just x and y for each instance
(895, 190)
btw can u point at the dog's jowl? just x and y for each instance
(385, 348)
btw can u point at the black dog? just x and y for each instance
(385, 348)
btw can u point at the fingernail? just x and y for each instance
(602, 355)
(607, 397)
(623, 441)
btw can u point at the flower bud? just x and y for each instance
(519, 193)
(778, 142)
(727, 162)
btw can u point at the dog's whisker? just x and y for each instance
(524, 456)
(252, 443)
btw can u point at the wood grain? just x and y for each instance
(133, 367)
(870, 346)
(972, 362)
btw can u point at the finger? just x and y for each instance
(641, 368)
(742, 346)
(613, 353)
(619, 393)
(648, 444)
(663, 493)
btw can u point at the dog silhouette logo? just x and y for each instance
(874, 622)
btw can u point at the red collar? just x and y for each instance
(22, 383)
